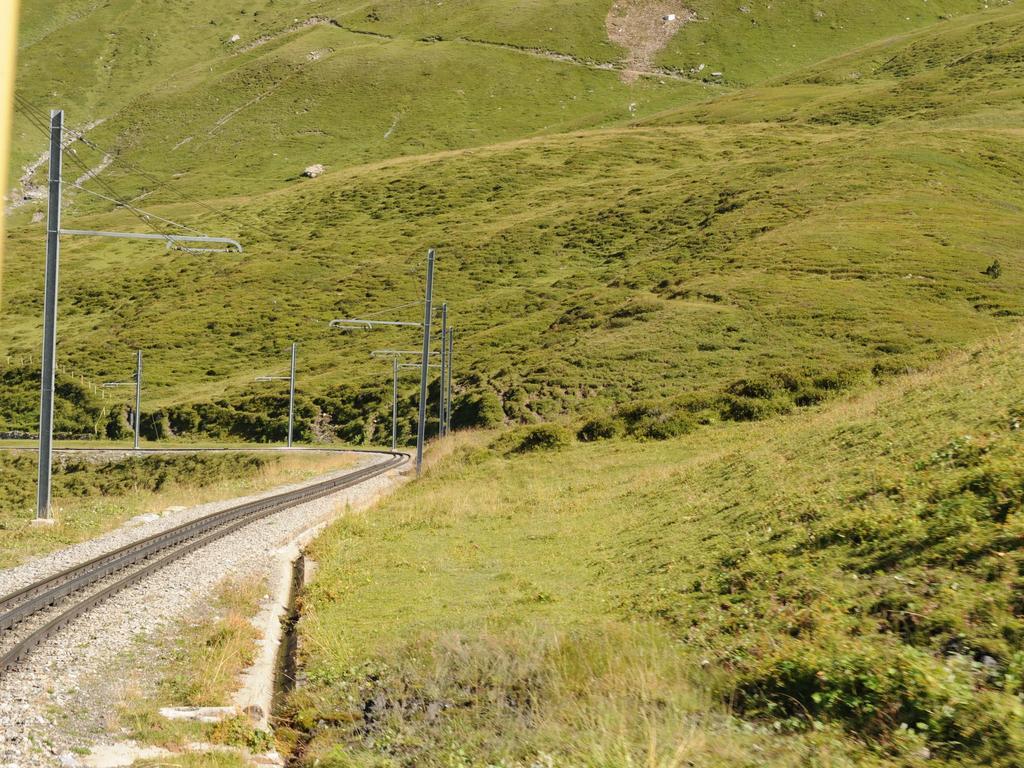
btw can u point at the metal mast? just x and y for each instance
(50, 317)
(422, 426)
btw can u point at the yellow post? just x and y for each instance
(8, 49)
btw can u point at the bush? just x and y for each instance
(665, 427)
(537, 437)
(118, 426)
(658, 421)
(601, 428)
(875, 695)
(75, 410)
(481, 409)
(183, 419)
(735, 408)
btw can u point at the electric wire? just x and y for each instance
(38, 118)
(144, 216)
(157, 183)
(147, 214)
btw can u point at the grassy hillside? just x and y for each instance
(670, 273)
(960, 73)
(810, 555)
(840, 587)
(609, 267)
(343, 82)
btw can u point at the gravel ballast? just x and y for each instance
(59, 700)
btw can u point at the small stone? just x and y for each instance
(268, 758)
(68, 760)
(146, 518)
(198, 714)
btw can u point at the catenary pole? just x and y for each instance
(422, 426)
(394, 403)
(138, 396)
(291, 397)
(50, 317)
(444, 358)
(49, 352)
(448, 398)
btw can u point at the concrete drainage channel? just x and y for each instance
(274, 672)
(287, 667)
(272, 675)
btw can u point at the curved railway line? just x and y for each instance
(33, 613)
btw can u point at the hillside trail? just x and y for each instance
(639, 26)
(644, 28)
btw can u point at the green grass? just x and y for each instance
(199, 664)
(839, 586)
(774, 38)
(778, 268)
(961, 73)
(164, 71)
(660, 267)
(604, 268)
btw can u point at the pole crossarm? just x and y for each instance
(109, 384)
(397, 352)
(170, 239)
(417, 365)
(291, 393)
(350, 324)
(48, 360)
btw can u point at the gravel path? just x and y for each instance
(60, 699)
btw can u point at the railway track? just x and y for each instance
(33, 613)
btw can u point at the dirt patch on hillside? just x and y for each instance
(643, 28)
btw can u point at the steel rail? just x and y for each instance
(187, 537)
(168, 538)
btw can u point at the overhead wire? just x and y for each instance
(35, 116)
(38, 117)
(147, 214)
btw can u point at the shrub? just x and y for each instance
(183, 419)
(536, 437)
(658, 420)
(665, 427)
(600, 428)
(117, 426)
(735, 408)
(481, 409)
(877, 694)
(75, 410)
(763, 388)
